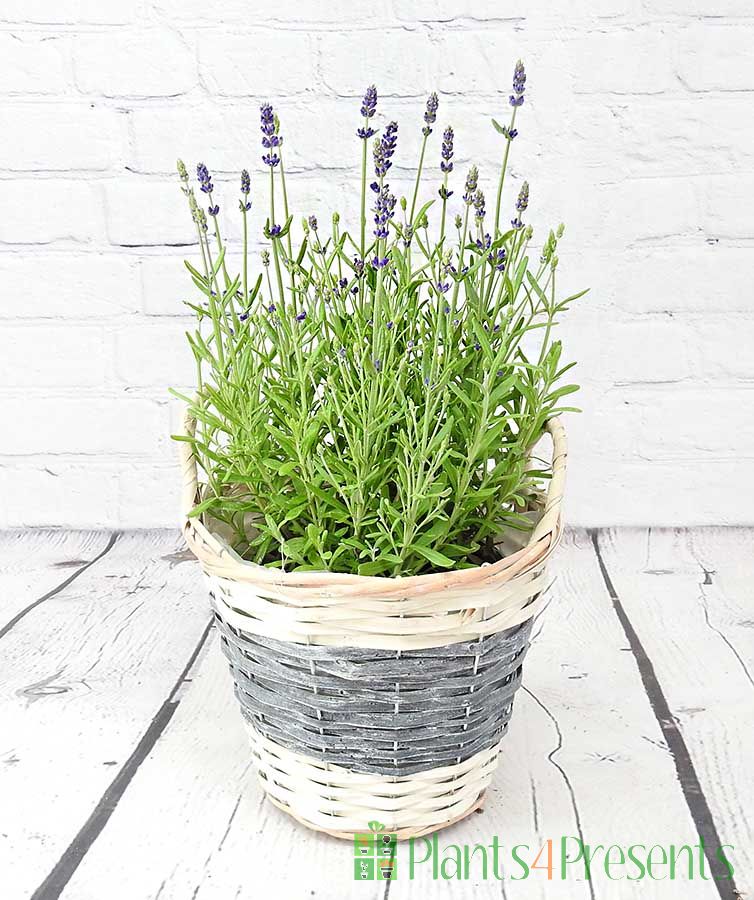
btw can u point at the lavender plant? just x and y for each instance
(369, 402)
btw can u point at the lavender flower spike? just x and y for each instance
(523, 197)
(204, 178)
(384, 210)
(446, 164)
(384, 148)
(245, 204)
(519, 85)
(270, 137)
(368, 109)
(479, 204)
(471, 183)
(369, 105)
(430, 114)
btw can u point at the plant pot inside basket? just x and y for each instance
(373, 697)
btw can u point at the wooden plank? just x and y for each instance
(35, 563)
(209, 834)
(83, 675)
(689, 597)
(577, 757)
(581, 744)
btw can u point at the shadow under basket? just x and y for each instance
(378, 698)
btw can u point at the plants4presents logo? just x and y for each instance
(374, 854)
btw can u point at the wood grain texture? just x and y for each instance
(690, 598)
(582, 740)
(209, 833)
(35, 563)
(82, 677)
(584, 755)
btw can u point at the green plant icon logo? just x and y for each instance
(374, 854)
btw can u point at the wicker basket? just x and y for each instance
(373, 697)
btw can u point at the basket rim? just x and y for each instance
(219, 559)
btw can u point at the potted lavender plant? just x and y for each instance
(361, 484)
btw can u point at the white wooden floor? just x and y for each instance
(124, 769)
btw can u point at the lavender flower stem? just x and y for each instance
(245, 260)
(418, 178)
(275, 248)
(444, 205)
(502, 172)
(285, 204)
(364, 192)
(226, 278)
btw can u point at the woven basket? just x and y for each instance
(373, 697)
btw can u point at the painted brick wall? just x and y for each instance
(637, 132)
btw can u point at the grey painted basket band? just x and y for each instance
(378, 711)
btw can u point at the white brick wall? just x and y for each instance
(637, 132)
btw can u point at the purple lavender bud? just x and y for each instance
(342, 353)
(477, 346)
(446, 165)
(214, 210)
(378, 365)
(369, 104)
(358, 266)
(275, 230)
(446, 309)
(497, 259)
(517, 223)
(523, 197)
(430, 114)
(384, 149)
(313, 223)
(496, 329)
(470, 187)
(244, 207)
(510, 133)
(410, 345)
(519, 85)
(378, 263)
(479, 204)
(270, 137)
(300, 317)
(443, 286)
(384, 210)
(243, 317)
(499, 373)
(343, 283)
(389, 325)
(204, 178)
(245, 182)
(408, 235)
(271, 308)
(267, 118)
(444, 192)
(368, 108)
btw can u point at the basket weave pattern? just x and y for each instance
(375, 711)
(372, 694)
